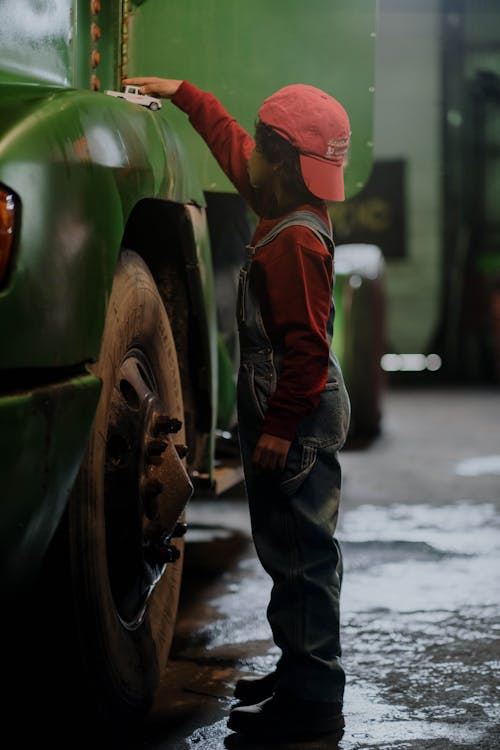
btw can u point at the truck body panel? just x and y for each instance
(79, 163)
(42, 440)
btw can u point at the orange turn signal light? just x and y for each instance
(7, 221)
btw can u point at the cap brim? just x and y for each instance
(323, 178)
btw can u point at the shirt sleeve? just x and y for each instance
(298, 294)
(230, 144)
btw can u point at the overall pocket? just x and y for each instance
(299, 464)
(257, 382)
(329, 422)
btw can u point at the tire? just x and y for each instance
(124, 638)
(153, 106)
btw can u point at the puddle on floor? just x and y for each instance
(421, 626)
(421, 632)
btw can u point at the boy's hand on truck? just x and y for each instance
(165, 88)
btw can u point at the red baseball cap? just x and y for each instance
(318, 126)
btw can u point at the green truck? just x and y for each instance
(117, 361)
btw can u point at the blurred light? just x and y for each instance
(434, 362)
(355, 281)
(454, 118)
(410, 362)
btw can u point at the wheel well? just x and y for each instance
(158, 231)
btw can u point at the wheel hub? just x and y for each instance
(146, 488)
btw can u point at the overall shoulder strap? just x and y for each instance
(308, 219)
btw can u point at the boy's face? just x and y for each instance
(260, 171)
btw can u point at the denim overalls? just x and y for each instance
(294, 513)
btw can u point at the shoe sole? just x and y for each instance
(335, 726)
(249, 695)
(251, 700)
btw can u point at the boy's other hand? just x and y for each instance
(164, 88)
(271, 452)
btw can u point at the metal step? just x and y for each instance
(227, 474)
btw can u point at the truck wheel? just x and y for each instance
(126, 600)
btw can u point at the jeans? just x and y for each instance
(293, 517)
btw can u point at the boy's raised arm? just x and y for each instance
(164, 88)
(230, 144)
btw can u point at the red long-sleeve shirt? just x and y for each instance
(293, 272)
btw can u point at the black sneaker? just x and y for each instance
(251, 690)
(284, 717)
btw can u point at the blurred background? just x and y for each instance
(432, 200)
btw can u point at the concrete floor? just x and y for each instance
(419, 529)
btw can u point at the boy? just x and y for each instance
(293, 409)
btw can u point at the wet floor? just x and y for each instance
(420, 533)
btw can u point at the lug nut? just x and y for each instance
(181, 450)
(170, 553)
(165, 424)
(152, 487)
(155, 447)
(162, 553)
(180, 530)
